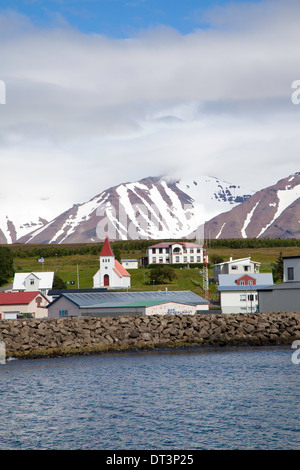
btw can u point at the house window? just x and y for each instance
(251, 297)
(290, 274)
(154, 259)
(192, 250)
(234, 267)
(243, 298)
(250, 283)
(63, 313)
(185, 259)
(160, 250)
(161, 260)
(177, 259)
(31, 282)
(192, 259)
(153, 250)
(198, 259)
(246, 268)
(242, 283)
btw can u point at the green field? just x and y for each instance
(82, 266)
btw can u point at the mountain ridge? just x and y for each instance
(162, 207)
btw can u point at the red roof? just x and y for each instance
(168, 244)
(17, 298)
(106, 250)
(120, 270)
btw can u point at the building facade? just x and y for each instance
(175, 253)
(35, 281)
(236, 266)
(239, 294)
(291, 268)
(283, 297)
(14, 305)
(113, 304)
(130, 263)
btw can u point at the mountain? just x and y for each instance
(11, 229)
(273, 212)
(152, 208)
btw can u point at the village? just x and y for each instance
(235, 285)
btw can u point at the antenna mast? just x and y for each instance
(205, 272)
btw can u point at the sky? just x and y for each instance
(102, 92)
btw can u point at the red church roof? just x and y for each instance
(106, 250)
(120, 270)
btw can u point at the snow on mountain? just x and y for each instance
(152, 208)
(13, 228)
(273, 212)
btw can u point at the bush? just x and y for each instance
(161, 274)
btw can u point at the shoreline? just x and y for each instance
(77, 336)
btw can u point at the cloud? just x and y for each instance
(84, 112)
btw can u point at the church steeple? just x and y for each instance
(106, 250)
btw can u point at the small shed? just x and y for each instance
(130, 263)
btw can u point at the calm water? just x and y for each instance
(231, 398)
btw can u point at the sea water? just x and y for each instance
(209, 398)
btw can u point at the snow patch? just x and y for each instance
(219, 234)
(248, 220)
(286, 197)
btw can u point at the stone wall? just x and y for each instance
(54, 337)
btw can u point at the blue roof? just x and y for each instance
(119, 299)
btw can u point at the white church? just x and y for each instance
(111, 274)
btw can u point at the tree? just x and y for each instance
(6, 265)
(58, 283)
(216, 259)
(162, 274)
(277, 269)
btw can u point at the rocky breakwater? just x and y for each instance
(54, 337)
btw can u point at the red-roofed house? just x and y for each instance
(111, 274)
(16, 304)
(175, 252)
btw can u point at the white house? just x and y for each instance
(130, 263)
(111, 274)
(29, 282)
(236, 266)
(175, 252)
(14, 304)
(239, 293)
